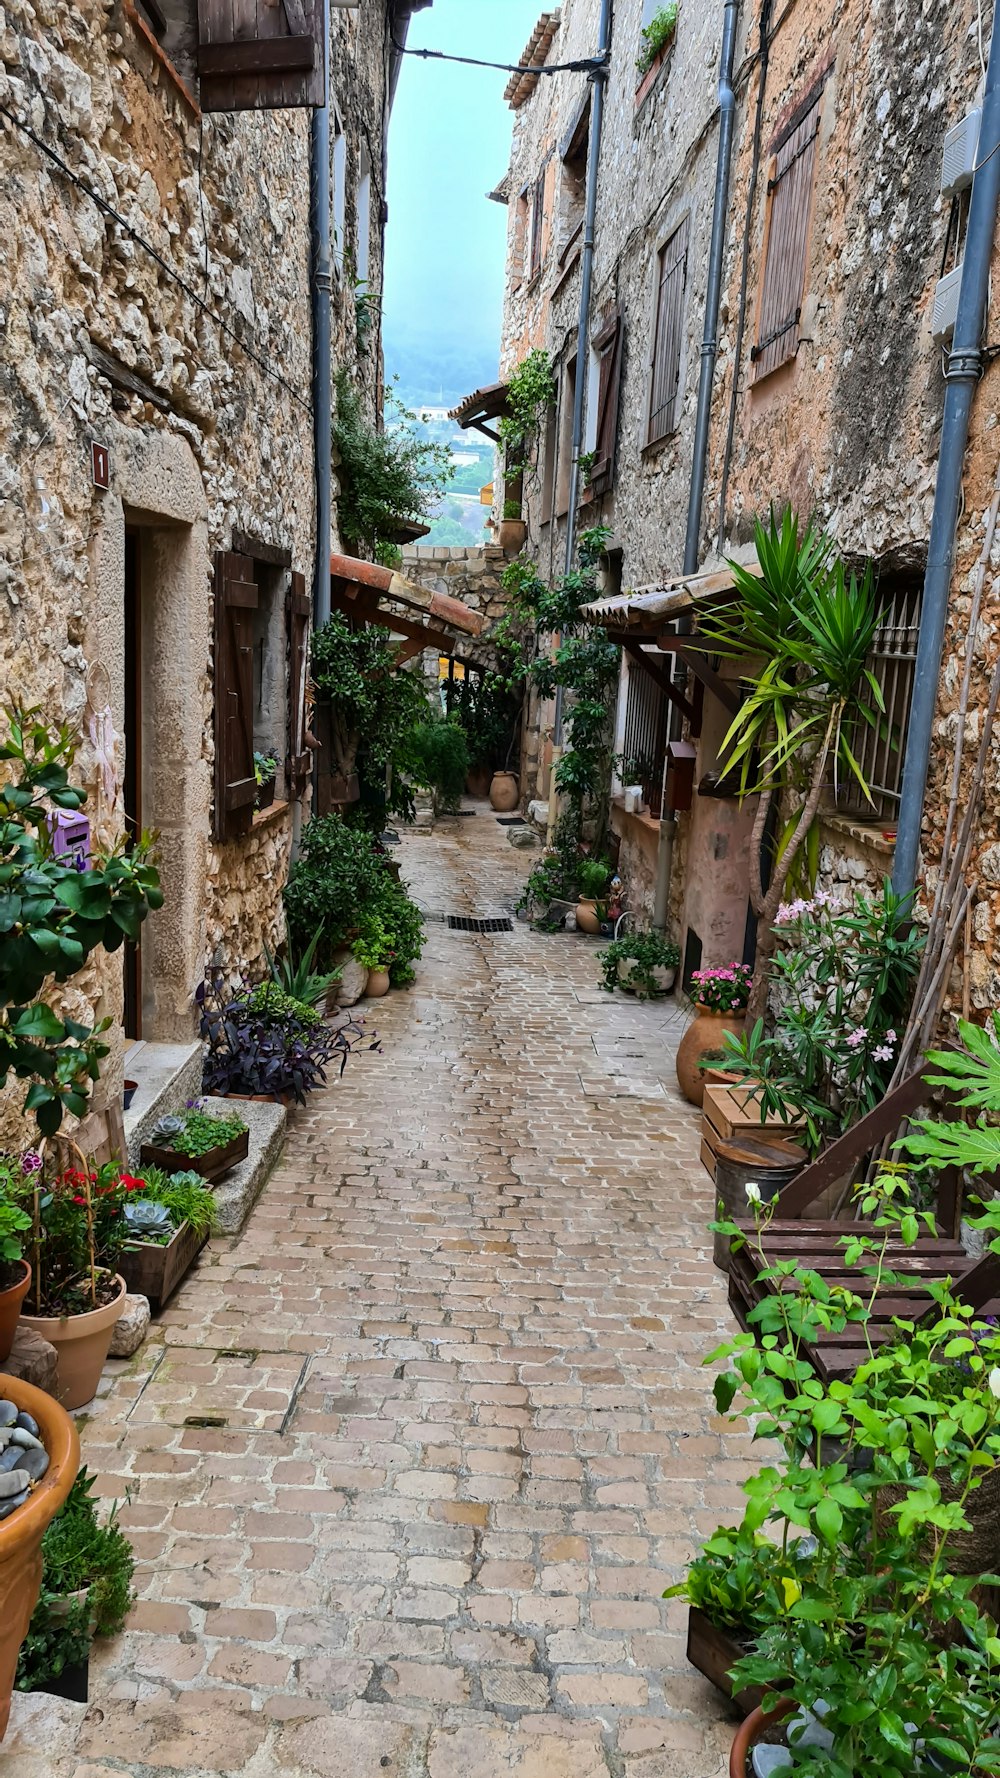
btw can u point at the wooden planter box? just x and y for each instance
(211, 1166)
(714, 1652)
(154, 1271)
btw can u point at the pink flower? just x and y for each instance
(882, 1053)
(890, 1037)
(31, 1162)
(855, 1038)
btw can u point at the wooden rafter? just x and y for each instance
(637, 653)
(697, 660)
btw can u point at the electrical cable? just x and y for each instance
(147, 246)
(586, 64)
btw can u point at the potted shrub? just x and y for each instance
(77, 1293)
(23, 1526)
(513, 529)
(205, 1141)
(298, 979)
(721, 996)
(881, 1660)
(170, 1217)
(656, 38)
(594, 876)
(643, 963)
(15, 1272)
(374, 950)
(265, 771)
(86, 1591)
(266, 1055)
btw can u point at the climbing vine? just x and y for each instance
(531, 388)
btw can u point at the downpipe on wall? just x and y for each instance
(962, 373)
(321, 285)
(703, 414)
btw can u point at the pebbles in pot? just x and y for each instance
(23, 1457)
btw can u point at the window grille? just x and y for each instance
(880, 752)
(645, 733)
(787, 249)
(665, 380)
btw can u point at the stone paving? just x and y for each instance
(410, 1462)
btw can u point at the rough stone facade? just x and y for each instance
(155, 299)
(847, 429)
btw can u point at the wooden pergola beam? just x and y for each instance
(636, 652)
(698, 663)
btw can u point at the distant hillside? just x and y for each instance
(460, 518)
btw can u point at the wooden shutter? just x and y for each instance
(537, 217)
(668, 336)
(297, 609)
(261, 55)
(235, 604)
(787, 247)
(609, 343)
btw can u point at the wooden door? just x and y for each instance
(132, 790)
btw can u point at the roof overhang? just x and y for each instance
(522, 84)
(647, 610)
(372, 594)
(489, 403)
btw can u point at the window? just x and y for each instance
(519, 245)
(573, 151)
(880, 752)
(564, 467)
(174, 25)
(270, 689)
(339, 191)
(644, 732)
(786, 249)
(548, 465)
(364, 212)
(668, 337)
(534, 265)
(602, 402)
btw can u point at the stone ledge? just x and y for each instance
(876, 839)
(237, 1193)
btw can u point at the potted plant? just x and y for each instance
(643, 963)
(265, 771)
(266, 1055)
(720, 1002)
(209, 1142)
(881, 1661)
(298, 979)
(655, 40)
(86, 1591)
(77, 1293)
(15, 1272)
(22, 1527)
(374, 950)
(513, 529)
(594, 876)
(170, 1217)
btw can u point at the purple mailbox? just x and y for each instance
(70, 833)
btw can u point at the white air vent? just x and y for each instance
(959, 160)
(945, 306)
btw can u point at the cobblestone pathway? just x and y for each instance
(412, 1460)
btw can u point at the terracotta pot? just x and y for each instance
(702, 1035)
(21, 1534)
(477, 783)
(749, 1732)
(378, 984)
(512, 534)
(10, 1308)
(505, 792)
(81, 1343)
(587, 917)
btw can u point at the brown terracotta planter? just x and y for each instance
(378, 984)
(702, 1035)
(21, 1534)
(505, 792)
(81, 1343)
(750, 1731)
(587, 917)
(10, 1309)
(512, 535)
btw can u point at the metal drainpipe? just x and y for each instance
(703, 416)
(964, 367)
(600, 80)
(322, 372)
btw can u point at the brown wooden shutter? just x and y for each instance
(235, 604)
(787, 247)
(261, 55)
(537, 218)
(297, 609)
(609, 343)
(668, 336)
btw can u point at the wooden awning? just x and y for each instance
(422, 618)
(645, 611)
(484, 404)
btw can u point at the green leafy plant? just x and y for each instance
(52, 918)
(843, 979)
(374, 946)
(184, 1196)
(811, 624)
(723, 989)
(373, 707)
(195, 1132)
(437, 755)
(298, 979)
(77, 1233)
(14, 1220)
(633, 962)
(971, 1073)
(338, 873)
(79, 1553)
(585, 463)
(531, 389)
(512, 509)
(488, 706)
(655, 36)
(744, 1582)
(265, 767)
(388, 476)
(594, 875)
(268, 997)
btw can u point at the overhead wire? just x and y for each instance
(584, 64)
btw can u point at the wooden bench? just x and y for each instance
(818, 1245)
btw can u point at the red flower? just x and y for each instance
(78, 1200)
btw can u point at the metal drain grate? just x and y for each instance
(511, 821)
(462, 923)
(460, 814)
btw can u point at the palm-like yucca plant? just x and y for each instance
(810, 625)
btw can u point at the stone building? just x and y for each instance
(824, 370)
(159, 518)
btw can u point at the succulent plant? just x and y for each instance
(144, 1217)
(166, 1130)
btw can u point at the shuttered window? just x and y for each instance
(608, 343)
(235, 604)
(297, 617)
(537, 216)
(261, 55)
(786, 251)
(665, 378)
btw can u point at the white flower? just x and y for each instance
(754, 1197)
(994, 1382)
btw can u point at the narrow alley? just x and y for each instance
(409, 1463)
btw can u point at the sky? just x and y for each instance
(449, 144)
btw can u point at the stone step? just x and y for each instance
(167, 1074)
(237, 1193)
